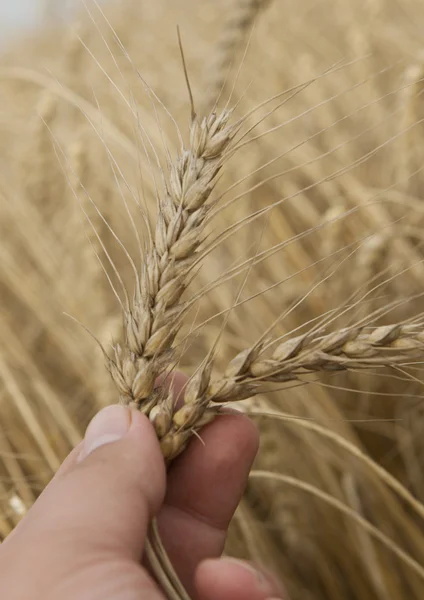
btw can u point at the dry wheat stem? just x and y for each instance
(337, 173)
(367, 547)
(340, 506)
(246, 264)
(351, 139)
(74, 99)
(151, 93)
(154, 558)
(324, 102)
(384, 475)
(162, 567)
(237, 226)
(269, 288)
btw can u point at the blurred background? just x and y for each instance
(19, 15)
(22, 16)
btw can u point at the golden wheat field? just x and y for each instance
(275, 219)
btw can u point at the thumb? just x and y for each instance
(104, 499)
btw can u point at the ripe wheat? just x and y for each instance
(312, 237)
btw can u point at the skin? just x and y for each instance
(85, 535)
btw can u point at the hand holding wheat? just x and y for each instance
(94, 516)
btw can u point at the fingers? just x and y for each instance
(205, 486)
(103, 499)
(229, 579)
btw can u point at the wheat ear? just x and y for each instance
(239, 19)
(153, 317)
(348, 348)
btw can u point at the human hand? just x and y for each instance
(85, 535)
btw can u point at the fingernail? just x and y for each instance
(109, 425)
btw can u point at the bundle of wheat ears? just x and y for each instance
(233, 190)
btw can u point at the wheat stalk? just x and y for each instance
(354, 450)
(340, 506)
